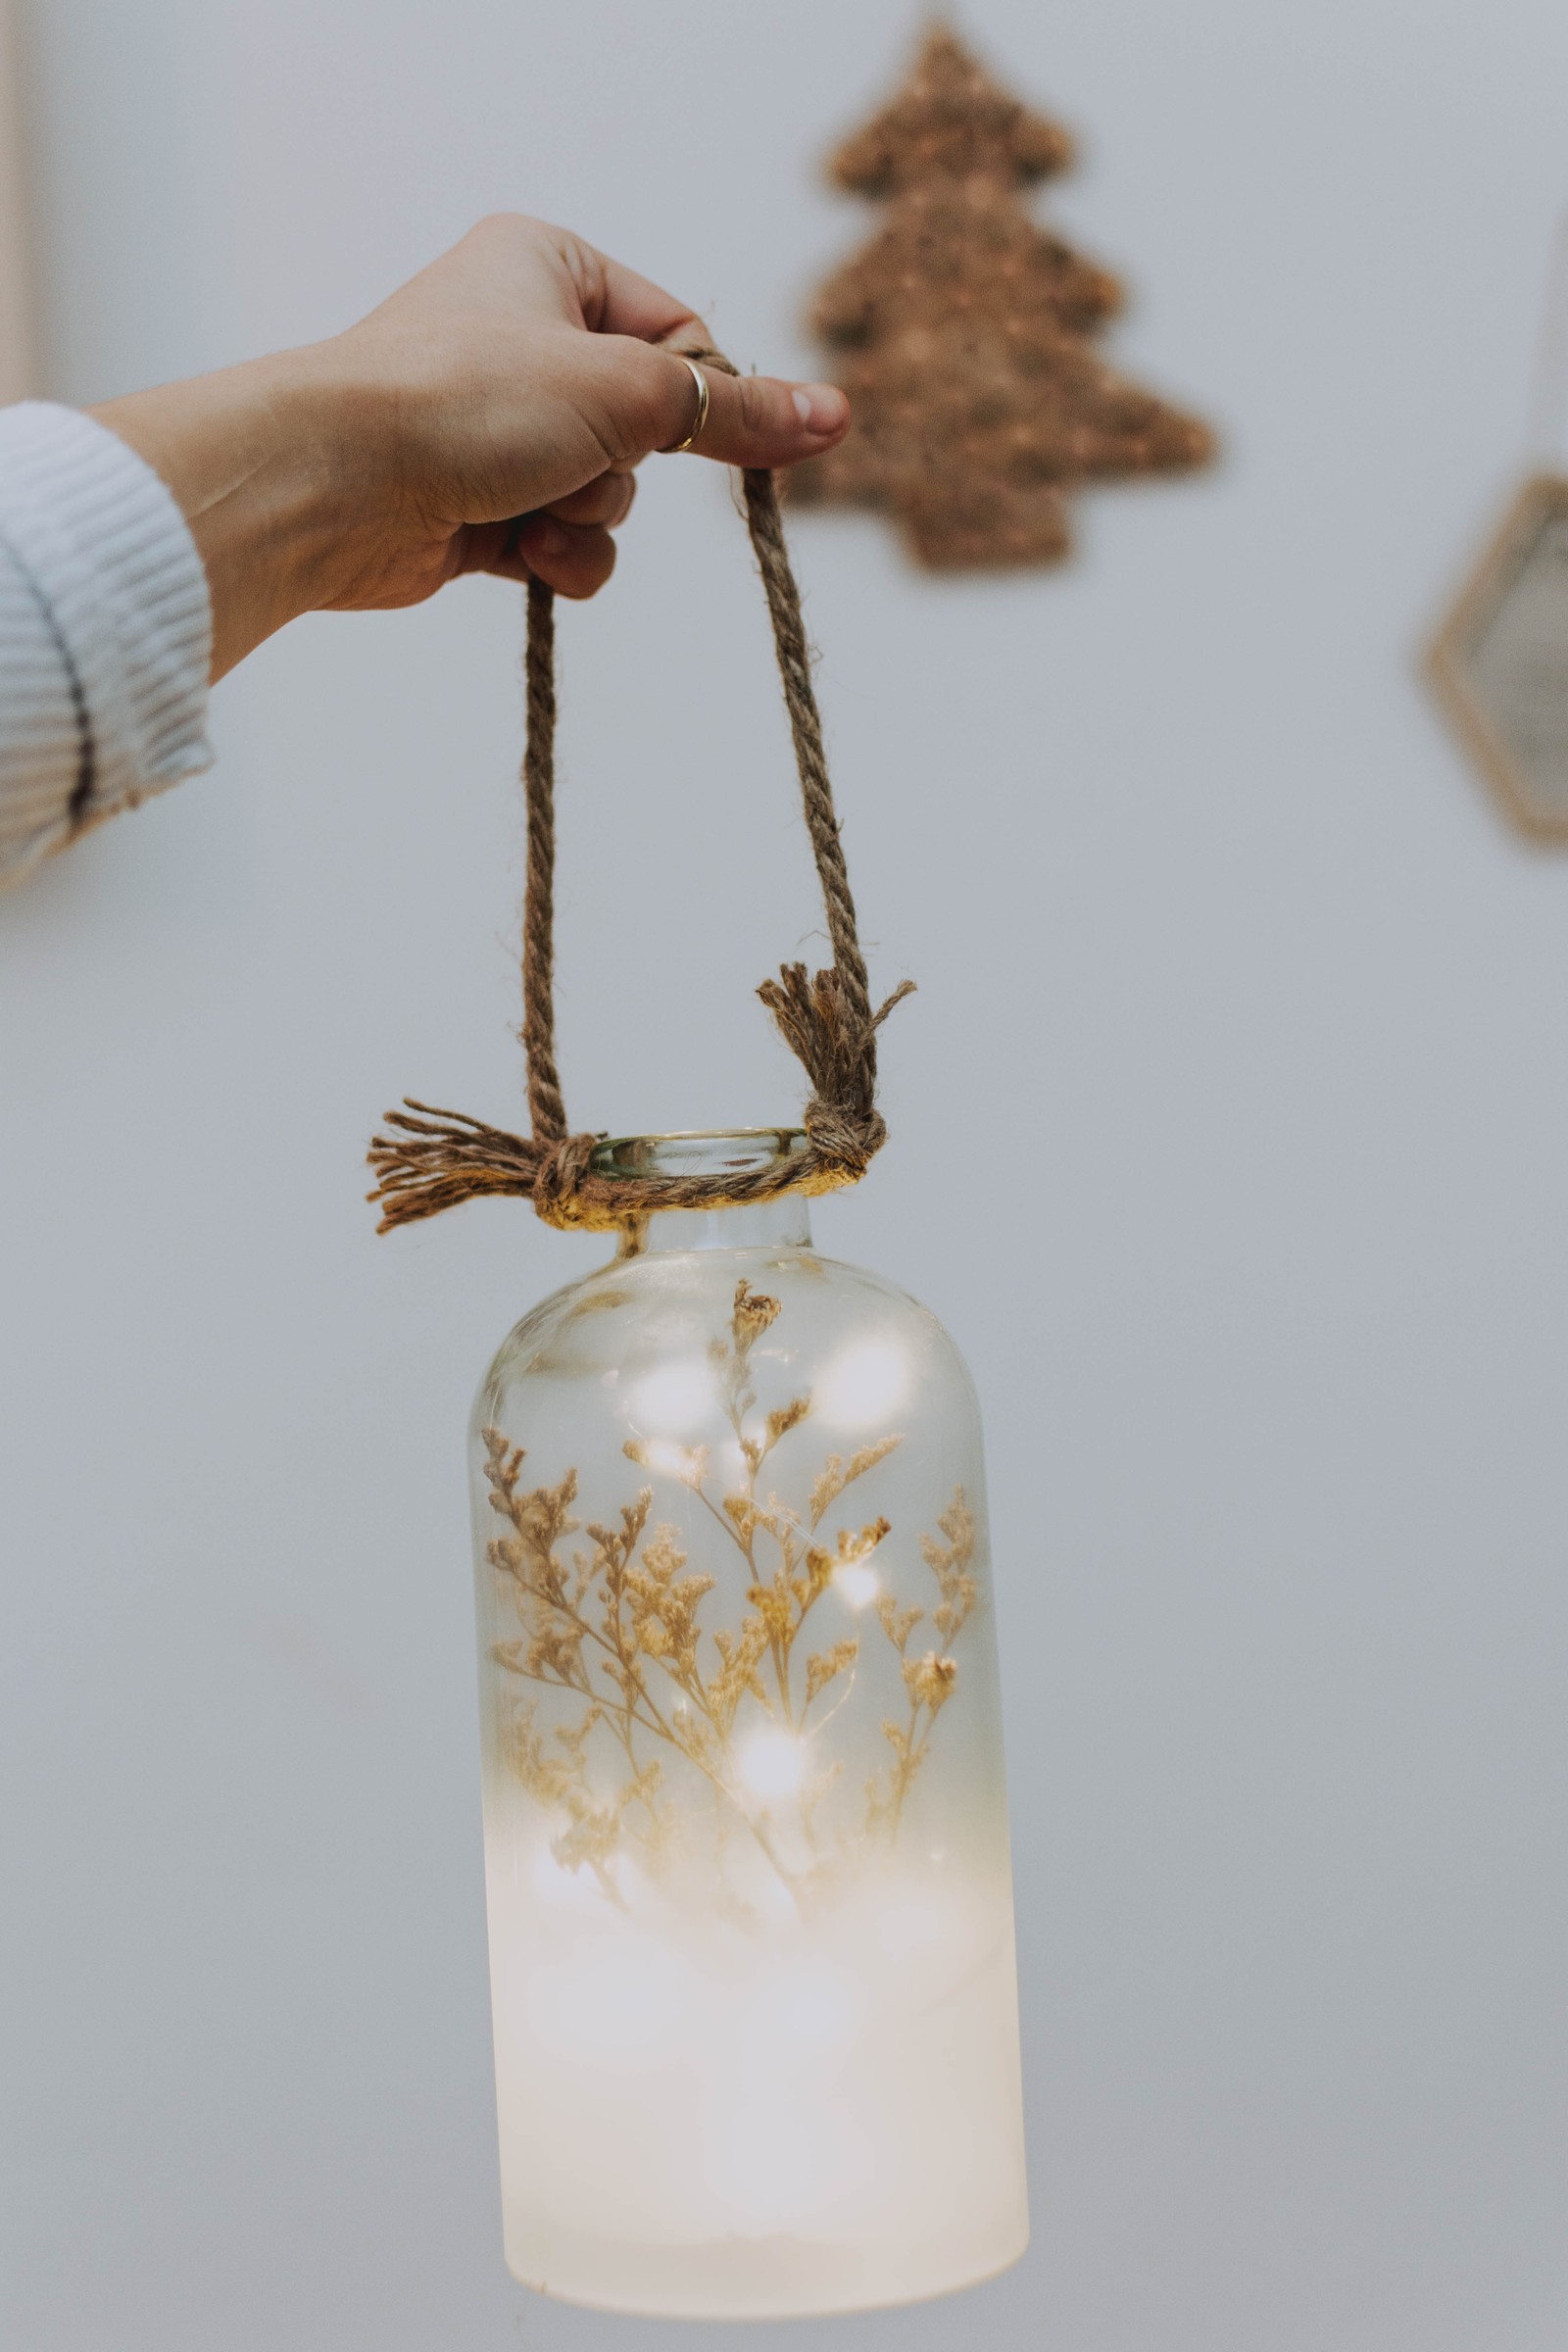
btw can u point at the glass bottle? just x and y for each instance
(750, 1901)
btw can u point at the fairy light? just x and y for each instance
(858, 1584)
(771, 1765)
(672, 1399)
(863, 1384)
(667, 1458)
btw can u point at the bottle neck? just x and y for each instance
(781, 1222)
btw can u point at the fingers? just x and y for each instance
(573, 559)
(750, 421)
(567, 543)
(606, 501)
(624, 303)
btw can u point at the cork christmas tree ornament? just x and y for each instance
(965, 335)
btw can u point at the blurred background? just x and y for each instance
(1245, 1007)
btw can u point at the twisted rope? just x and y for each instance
(436, 1159)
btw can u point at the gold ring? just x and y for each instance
(701, 419)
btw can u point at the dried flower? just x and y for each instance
(620, 1623)
(929, 1680)
(754, 1312)
(835, 1474)
(950, 1563)
(852, 1550)
(664, 1603)
(827, 1665)
(898, 1624)
(787, 1417)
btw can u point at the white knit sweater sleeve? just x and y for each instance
(105, 633)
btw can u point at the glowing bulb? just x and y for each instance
(772, 1765)
(688, 1463)
(862, 1384)
(858, 1585)
(675, 1397)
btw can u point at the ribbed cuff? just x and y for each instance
(111, 557)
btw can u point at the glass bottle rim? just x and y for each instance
(700, 1151)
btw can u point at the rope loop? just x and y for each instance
(435, 1159)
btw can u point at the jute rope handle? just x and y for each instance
(438, 1158)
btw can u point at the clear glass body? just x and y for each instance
(750, 1904)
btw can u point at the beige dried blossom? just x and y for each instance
(852, 1549)
(664, 1603)
(950, 1563)
(836, 1474)
(555, 1653)
(754, 1312)
(746, 1514)
(827, 1665)
(787, 1417)
(740, 1655)
(929, 1680)
(898, 1624)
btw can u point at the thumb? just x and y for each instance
(751, 419)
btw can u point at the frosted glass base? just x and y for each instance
(698, 2124)
(740, 2279)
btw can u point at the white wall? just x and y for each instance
(1250, 1015)
(17, 355)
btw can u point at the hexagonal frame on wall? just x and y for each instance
(1500, 662)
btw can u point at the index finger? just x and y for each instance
(630, 304)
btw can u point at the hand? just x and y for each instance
(488, 417)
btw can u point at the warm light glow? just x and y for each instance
(858, 1585)
(908, 1924)
(703, 2116)
(622, 2003)
(864, 1383)
(673, 1398)
(668, 1459)
(562, 1888)
(813, 2005)
(773, 1766)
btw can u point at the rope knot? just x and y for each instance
(559, 1177)
(828, 1026)
(848, 1145)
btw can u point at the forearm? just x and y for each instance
(258, 459)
